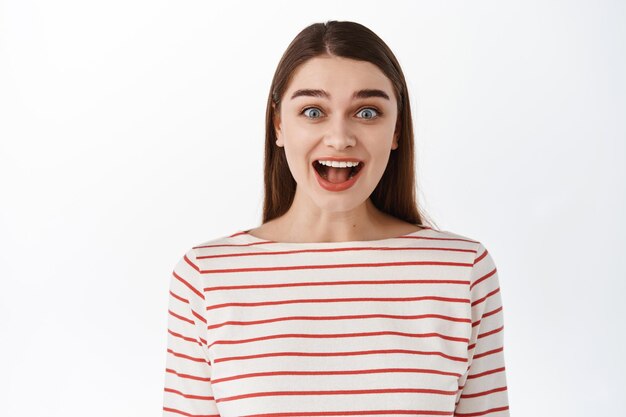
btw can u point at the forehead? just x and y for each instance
(339, 76)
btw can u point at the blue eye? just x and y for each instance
(311, 108)
(370, 109)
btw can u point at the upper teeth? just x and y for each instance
(338, 164)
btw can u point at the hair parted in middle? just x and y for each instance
(395, 194)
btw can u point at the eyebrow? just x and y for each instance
(365, 93)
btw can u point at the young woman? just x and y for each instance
(342, 302)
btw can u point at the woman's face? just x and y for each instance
(320, 118)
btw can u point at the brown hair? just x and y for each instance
(395, 193)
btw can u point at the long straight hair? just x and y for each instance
(395, 194)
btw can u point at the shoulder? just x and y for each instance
(216, 242)
(480, 262)
(482, 271)
(218, 250)
(478, 254)
(456, 239)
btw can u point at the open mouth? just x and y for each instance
(336, 174)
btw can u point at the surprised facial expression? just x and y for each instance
(341, 112)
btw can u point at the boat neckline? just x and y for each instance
(247, 237)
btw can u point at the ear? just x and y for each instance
(279, 134)
(396, 135)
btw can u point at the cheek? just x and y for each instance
(380, 159)
(377, 169)
(297, 158)
(299, 144)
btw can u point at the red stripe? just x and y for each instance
(353, 353)
(337, 335)
(191, 264)
(178, 297)
(187, 376)
(354, 372)
(487, 353)
(470, 347)
(180, 336)
(350, 249)
(360, 265)
(481, 413)
(483, 393)
(194, 397)
(181, 317)
(481, 257)
(354, 413)
(325, 283)
(352, 317)
(489, 333)
(337, 300)
(226, 245)
(489, 372)
(191, 358)
(198, 316)
(191, 287)
(173, 410)
(337, 392)
(483, 278)
(480, 300)
(492, 312)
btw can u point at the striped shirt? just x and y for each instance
(411, 325)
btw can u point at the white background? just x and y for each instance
(133, 130)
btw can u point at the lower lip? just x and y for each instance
(330, 186)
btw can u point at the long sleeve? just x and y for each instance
(483, 388)
(187, 387)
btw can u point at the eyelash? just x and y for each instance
(379, 113)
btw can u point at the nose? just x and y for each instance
(340, 135)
